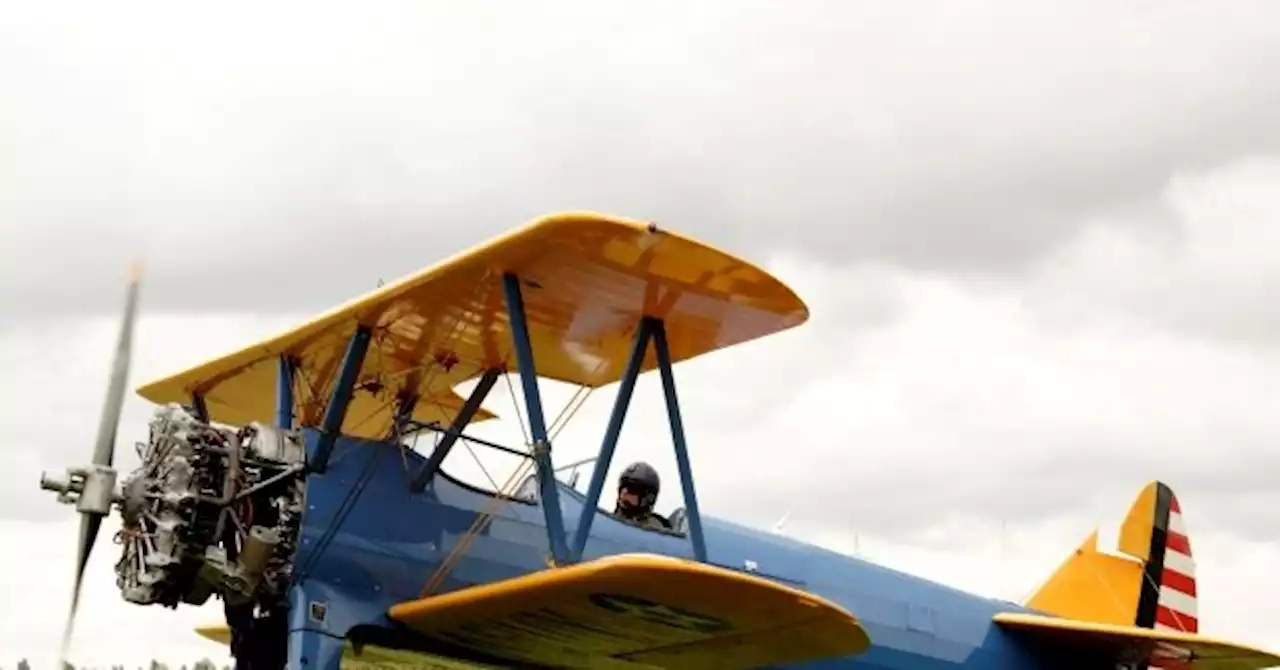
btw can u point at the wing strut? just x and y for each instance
(648, 328)
(611, 433)
(286, 367)
(464, 416)
(343, 389)
(550, 494)
(678, 440)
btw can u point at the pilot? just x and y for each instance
(637, 493)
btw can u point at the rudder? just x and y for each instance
(1151, 583)
(1155, 533)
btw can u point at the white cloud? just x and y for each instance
(942, 135)
(1208, 272)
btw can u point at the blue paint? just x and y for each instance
(677, 437)
(388, 542)
(612, 432)
(336, 412)
(537, 422)
(311, 644)
(284, 392)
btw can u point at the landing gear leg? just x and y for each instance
(240, 621)
(314, 650)
(312, 645)
(258, 642)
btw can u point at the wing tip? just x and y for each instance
(220, 633)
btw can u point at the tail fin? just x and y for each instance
(1150, 584)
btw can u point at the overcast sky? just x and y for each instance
(1037, 239)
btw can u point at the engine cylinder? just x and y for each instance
(255, 556)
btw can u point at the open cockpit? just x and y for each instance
(677, 520)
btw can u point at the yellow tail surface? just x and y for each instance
(1150, 583)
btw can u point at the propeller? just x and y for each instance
(92, 488)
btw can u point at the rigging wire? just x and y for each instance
(511, 391)
(506, 492)
(481, 522)
(485, 517)
(581, 398)
(1177, 617)
(470, 450)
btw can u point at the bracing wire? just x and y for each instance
(511, 391)
(477, 527)
(517, 476)
(475, 457)
(581, 399)
(1177, 618)
(486, 516)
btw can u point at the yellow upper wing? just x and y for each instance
(1114, 644)
(587, 278)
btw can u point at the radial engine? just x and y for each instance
(210, 510)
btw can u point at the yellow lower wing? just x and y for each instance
(636, 611)
(1130, 644)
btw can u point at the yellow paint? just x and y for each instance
(219, 633)
(639, 610)
(588, 278)
(1092, 586)
(1159, 647)
(1135, 532)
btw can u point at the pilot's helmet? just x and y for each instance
(641, 479)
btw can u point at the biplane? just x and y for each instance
(279, 479)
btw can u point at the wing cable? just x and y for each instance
(507, 491)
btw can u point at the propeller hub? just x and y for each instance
(97, 490)
(91, 488)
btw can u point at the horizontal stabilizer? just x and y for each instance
(1093, 644)
(638, 610)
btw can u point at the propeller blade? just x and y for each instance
(104, 449)
(89, 525)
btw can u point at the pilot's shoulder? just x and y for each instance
(659, 521)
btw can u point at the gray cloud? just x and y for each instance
(378, 142)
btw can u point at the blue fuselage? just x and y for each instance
(379, 544)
